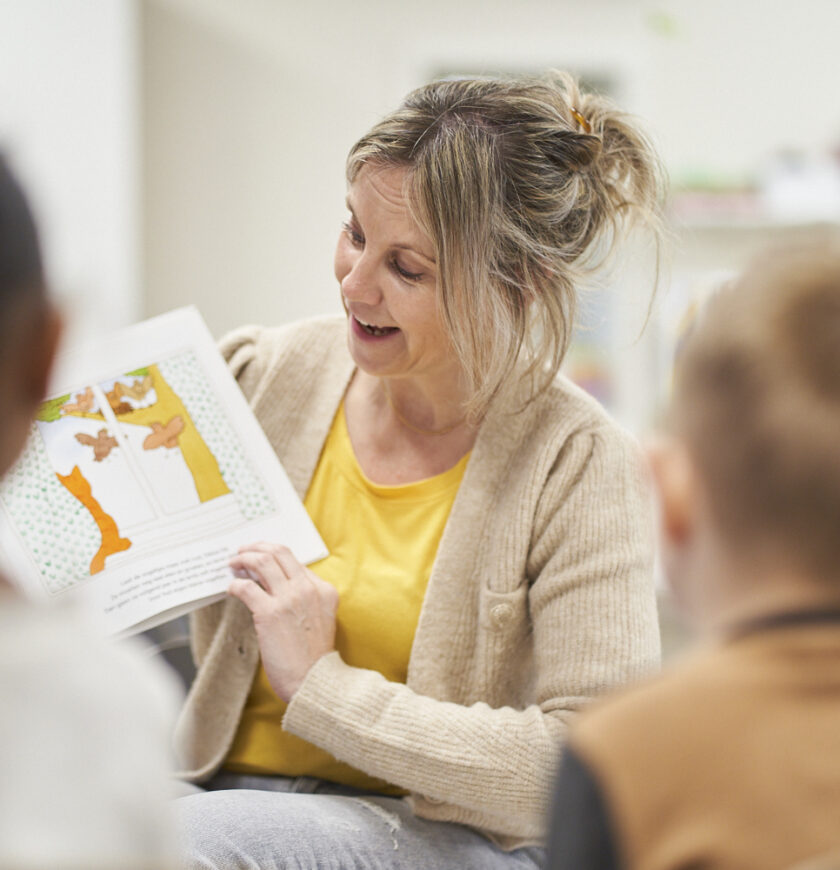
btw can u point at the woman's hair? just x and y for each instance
(523, 185)
(757, 401)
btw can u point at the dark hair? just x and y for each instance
(21, 269)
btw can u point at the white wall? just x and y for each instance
(251, 105)
(250, 108)
(68, 122)
(739, 79)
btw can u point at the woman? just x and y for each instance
(490, 556)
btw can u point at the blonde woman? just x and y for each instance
(403, 702)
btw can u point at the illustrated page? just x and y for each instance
(136, 486)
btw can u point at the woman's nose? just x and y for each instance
(359, 284)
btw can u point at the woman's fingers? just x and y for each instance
(290, 565)
(265, 547)
(282, 578)
(284, 557)
(264, 566)
(294, 612)
(251, 594)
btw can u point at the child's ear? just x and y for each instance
(675, 481)
(30, 346)
(40, 350)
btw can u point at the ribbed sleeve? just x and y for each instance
(485, 764)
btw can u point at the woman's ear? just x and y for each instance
(676, 485)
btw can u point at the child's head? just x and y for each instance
(756, 410)
(28, 325)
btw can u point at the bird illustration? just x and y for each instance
(84, 403)
(102, 444)
(118, 406)
(164, 435)
(136, 391)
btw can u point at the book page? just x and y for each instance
(144, 472)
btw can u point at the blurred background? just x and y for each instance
(192, 151)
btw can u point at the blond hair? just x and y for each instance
(522, 185)
(757, 399)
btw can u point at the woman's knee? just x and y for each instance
(266, 830)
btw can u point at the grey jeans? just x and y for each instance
(269, 823)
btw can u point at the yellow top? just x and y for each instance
(382, 542)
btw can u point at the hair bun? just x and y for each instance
(575, 151)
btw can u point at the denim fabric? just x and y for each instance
(269, 823)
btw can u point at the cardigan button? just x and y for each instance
(501, 614)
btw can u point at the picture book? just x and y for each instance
(144, 472)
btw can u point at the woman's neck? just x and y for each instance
(420, 414)
(402, 432)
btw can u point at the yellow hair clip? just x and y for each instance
(581, 120)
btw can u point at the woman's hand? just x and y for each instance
(293, 610)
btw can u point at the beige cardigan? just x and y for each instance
(541, 598)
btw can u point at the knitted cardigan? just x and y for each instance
(541, 598)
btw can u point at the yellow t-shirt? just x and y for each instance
(382, 542)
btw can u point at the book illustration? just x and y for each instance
(111, 540)
(102, 445)
(179, 465)
(112, 468)
(186, 377)
(84, 404)
(137, 391)
(144, 472)
(166, 436)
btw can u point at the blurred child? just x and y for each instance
(84, 773)
(731, 760)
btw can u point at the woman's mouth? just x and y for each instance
(373, 330)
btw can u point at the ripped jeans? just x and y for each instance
(269, 823)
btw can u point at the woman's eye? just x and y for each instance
(404, 273)
(353, 234)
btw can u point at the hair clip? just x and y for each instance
(581, 120)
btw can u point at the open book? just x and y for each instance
(144, 472)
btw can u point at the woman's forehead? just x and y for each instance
(387, 184)
(380, 193)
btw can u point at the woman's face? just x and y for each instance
(386, 268)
